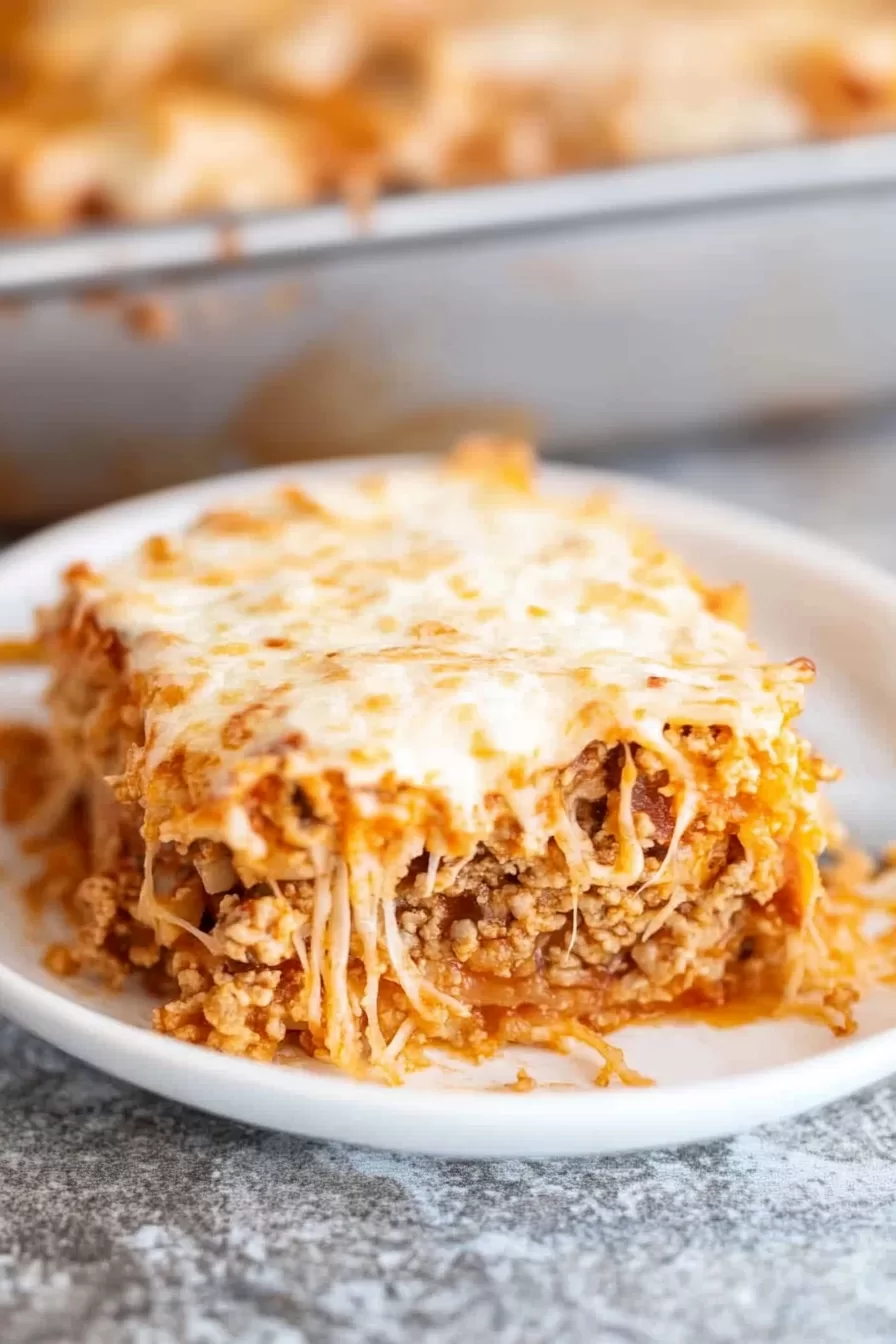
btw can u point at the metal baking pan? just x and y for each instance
(592, 311)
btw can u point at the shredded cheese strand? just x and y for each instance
(323, 899)
(153, 912)
(365, 905)
(415, 985)
(340, 1036)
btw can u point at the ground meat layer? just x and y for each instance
(507, 937)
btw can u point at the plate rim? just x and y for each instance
(562, 1123)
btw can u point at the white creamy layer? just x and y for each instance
(436, 628)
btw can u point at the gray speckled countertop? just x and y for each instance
(128, 1220)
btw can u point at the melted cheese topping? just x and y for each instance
(436, 630)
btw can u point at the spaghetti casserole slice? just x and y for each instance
(430, 757)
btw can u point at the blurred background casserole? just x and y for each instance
(145, 109)
(369, 225)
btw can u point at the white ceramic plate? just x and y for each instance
(808, 599)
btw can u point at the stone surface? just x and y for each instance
(128, 1220)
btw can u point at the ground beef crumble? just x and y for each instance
(503, 932)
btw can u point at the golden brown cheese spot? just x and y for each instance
(431, 630)
(235, 522)
(159, 550)
(462, 588)
(729, 604)
(366, 756)
(387, 625)
(601, 714)
(376, 704)
(301, 505)
(480, 747)
(537, 612)
(230, 697)
(241, 726)
(656, 569)
(502, 462)
(334, 579)
(451, 681)
(277, 642)
(314, 558)
(80, 572)
(598, 594)
(234, 650)
(517, 775)
(269, 606)
(217, 578)
(171, 696)
(333, 670)
(210, 817)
